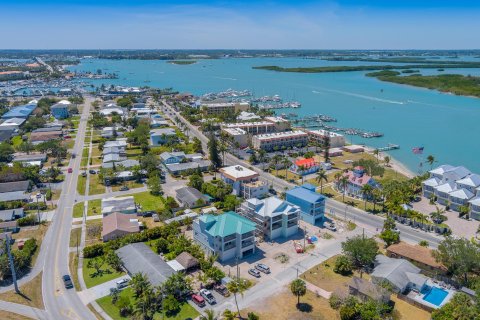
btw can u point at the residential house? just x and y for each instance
(38, 137)
(238, 177)
(179, 168)
(229, 235)
(305, 166)
(172, 157)
(11, 214)
(187, 261)
(159, 137)
(119, 204)
(117, 225)
(311, 204)
(356, 179)
(421, 257)
(442, 192)
(189, 197)
(120, 143)
(111, 132)
(129, 163)
(273, 217)
(23, 111)
(9, 226)
(5, 134)
(399, 273)
(114, 150)
(12, 123)
(60, 111)
(366, 290)
(13, 191)
(475, 207)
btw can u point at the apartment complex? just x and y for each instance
(311, 204)
(280, 140)
(336, 140)
(273, 217)
(229, 235)
(244, 181)
(214, 108)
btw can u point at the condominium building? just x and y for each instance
(273, 217)
(311, 204)
(216, 108)
(280, 140)
(258, 127)
(229, 235)
(244, 181)
(336, 140)
(238, 135)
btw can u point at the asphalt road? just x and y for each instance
(61, 303)
(333, 207)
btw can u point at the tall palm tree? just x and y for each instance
(222, 148)
(276, 161)
(431, 160)
(298, 288)
(209, 315)
(376, 152)
(301, 168)
(367, 193)
(321, 176)
(387, 160)
(286, 163)
(343, 181)
(236, 287)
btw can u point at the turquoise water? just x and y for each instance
(436, 296)
(446, 125)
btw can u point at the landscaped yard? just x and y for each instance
(186, 311)
(129, 184)
(91, 279)
(94, 207)
(75, 235)
(81, 184)
(37, 232)
(95, 186)
(406, 311)
(93, 232)
(148, 201)
(78, 209)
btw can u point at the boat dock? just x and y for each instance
(389, 147)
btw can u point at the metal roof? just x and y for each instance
(227, 224)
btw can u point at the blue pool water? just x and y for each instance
(435, 296)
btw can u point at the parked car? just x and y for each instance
(122, 283)
(70, 170)
(198, 300)
(262, 267)
(220, 288)
(146, 213)
(396, 230)
(84, 174)
(67, 281)
(254, 272)
(74, 155)
(207, 295)
(92, 171)
(330, 226)
(124, 188)
(156, 218)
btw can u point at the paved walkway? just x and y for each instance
(23, 310)
(114, 194)
(91, 294)
(318, 291)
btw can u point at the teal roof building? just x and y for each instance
(229, 235)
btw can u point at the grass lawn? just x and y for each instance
(31, 294)
(37, 232)
(129, 184)
(85, 152)
(94, 207)
(5, 315)
(16, 141)
(78, 209)
(93, 232)
(81, 184)
(282, 306)
(73, 265)
(405, 311)
(69, 143)
(96, 152)
(186, 310)
(148, 201)
(84, 162)
(281, 174)
(96, 161)
(322, 276)
(91, 281)
(75, 235)
(94, 185)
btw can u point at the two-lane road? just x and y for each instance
(61, 303)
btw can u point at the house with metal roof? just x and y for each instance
(311, 203)
(475, 207)
(119, 204)
(179, 168)
(128, 163)
(16, 190)
(229, 235)
(161, 136)
(365, 290)
(273, 217)
(139, 258)
(470, 182)
(172, 157)
(11, 214)
(12, 123)
(459, 198)
(442, 192)
(60, 111)
(20, 111)
(189, 197)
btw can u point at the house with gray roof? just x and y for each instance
(125, 163)
(139, 258)
(179, 168)
(161, 136)
(401, 274)
(11, 214)
(119, 204)
(13, 191)
(172, 157)
(189, 197)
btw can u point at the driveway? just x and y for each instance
(99, 291)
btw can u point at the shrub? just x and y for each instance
(34, 206)
(48, 195)
(335, 302)
(343, 266)
(93, 250)
(27, 220)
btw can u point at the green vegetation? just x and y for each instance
(94, 207)
(452, 83)
(97, 271)
(182, 62)
(75, 235)
(78, 209)
(148, 201)
(81, 184)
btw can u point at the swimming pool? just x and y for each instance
(435, 296)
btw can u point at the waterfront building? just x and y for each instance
(336, 140)
(353, 148)
(273, 217)
(281, 124)
(159, 137)
(259, 127)
(238, 135)
(356, 179)
(280, 140)
(228, 235)
(305, 166)
(311, 204)
(12, 75)
(247, 116)
(244, 181)
(60, 111)
(215, 108)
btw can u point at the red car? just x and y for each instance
(70, 170)
(198, 299)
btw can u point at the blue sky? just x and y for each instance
(195, 24)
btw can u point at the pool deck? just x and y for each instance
(419, 296)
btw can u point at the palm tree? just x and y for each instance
(376, 196)
(367, 193)
(286, 163)
(321, 176)
(229, 315)
(376, 152)
(236, 287)
(387, 160)
(209, 315)
(223, 149)
(262, 157)
(343, 181)
(298, 288)
(431, 160)
(139, 284)
(276, 161)
(463, 210)
(437, 215)
(301, 168)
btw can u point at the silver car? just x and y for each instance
(262, 267)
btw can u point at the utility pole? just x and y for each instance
(10, 260)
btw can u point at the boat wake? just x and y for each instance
(232, 79)
(352, 94)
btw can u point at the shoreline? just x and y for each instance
(395, 164)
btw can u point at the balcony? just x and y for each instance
(229, 246)
(247, 243)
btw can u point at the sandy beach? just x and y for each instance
(394, 164)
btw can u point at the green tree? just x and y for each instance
(361, 251)
(389, 237)
(229, 315)
(387, 160)
(376, 152)
(286, 164)
(154, 184)
(231, 202)
(343, 182)
(209, 315)
(298, 288)
(171, 305)
(195, 181)
(430, 160)
(236, 286)
(321, 177)
(367, 191)
(460, 307)
(113, 260)
(214, 153)
(197, 145)
(96, 264)
(343, 265)
(6, 152)
(326, 148)
(252, 316)
(139, 284)
(26, 147)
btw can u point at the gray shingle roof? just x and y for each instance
(394, 270)
(138, 257)
(14, 186)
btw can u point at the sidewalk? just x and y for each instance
(319, 291)
(97, 292)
